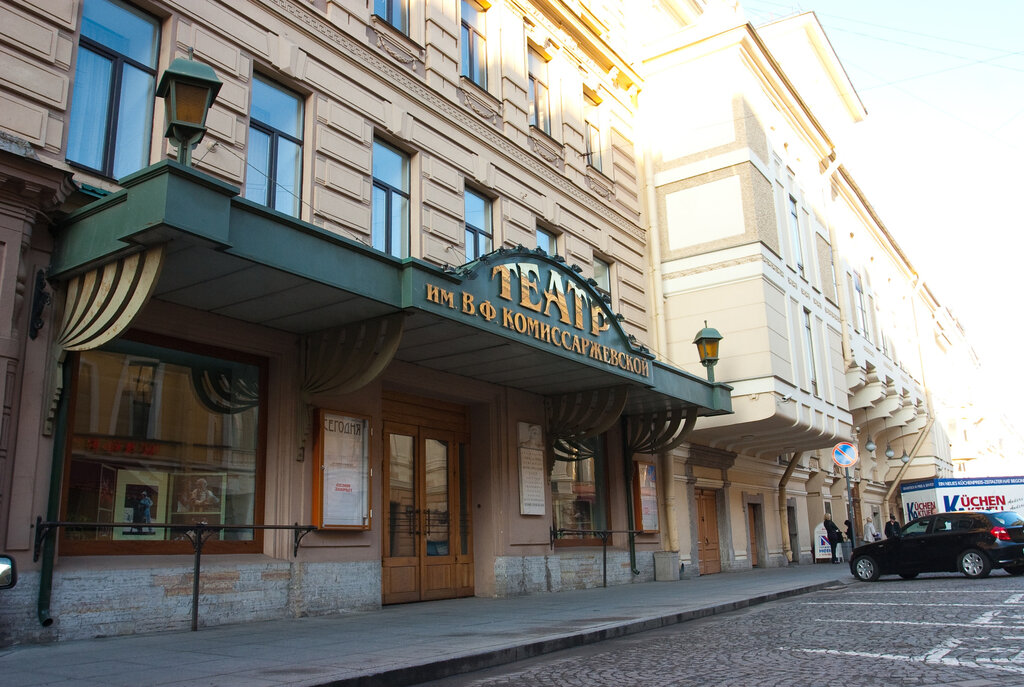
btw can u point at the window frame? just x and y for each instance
(536, 57)
(592, 141)
(72, 547)
(602, 288)
(275, 135)
(862, 310)
(478, 233)
(471, 36)
(390, 193)
(812, 368)
(796, 236)
(552, 235)
(389, 10)
(602, 494)
(114, 85)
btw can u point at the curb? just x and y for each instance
(436, 670)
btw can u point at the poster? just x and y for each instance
(532, 485)
(645, 486)
(140, 497)
(344, 467)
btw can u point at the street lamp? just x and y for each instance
(870, 445)
(707, 348)
(188, 89)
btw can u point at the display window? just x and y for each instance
(579, 493)
(162, 432)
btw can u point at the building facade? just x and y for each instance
(416, 321)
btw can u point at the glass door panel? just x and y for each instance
(403, 509)
(437, 525)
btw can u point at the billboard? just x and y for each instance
(948, 495)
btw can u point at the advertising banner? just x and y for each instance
(949, 495)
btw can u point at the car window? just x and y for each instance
(1009, 519)
(917, 527)
(945, 523)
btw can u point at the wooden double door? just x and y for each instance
(708, 552)
(427, 547)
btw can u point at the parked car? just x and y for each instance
(973, 543)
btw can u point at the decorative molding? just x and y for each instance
(600, 184)
(393, 45)
(456, 113)
(549, 150)
(480, 102)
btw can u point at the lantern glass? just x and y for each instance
(190, 103)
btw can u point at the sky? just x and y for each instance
(940, 155)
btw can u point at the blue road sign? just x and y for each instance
(844, 454)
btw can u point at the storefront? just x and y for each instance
(445, 431)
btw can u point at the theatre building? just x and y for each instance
(382, 339)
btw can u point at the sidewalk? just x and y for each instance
(404, 644)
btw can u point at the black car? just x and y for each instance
(972, 543)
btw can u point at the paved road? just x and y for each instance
(935, 630)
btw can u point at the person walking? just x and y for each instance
(835, 537)
(870, 533)
(892, 528)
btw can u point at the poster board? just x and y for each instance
(532, 484)
(140, 497)
(645, 497)
(198, 497)
(342, 471)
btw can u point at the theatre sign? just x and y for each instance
(538, 300)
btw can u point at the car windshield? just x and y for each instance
(1009, 519)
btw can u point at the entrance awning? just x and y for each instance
(516, 318)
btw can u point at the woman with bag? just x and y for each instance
(870, 533)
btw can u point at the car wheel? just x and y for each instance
(908, 576)
(974, 564)
(865, 568)
(1015, 570)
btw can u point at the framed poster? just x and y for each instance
(140, 497)
(342, 479)
(198, 497)
(645, 497)
(532, 485)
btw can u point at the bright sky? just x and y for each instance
(941, 153)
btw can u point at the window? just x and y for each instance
(603, 276)
(390, 200)
(474, 43)
(862, 310)
(537, 94)
(794, 229)
(812, 373)
(394, 12)
(594, 147)
(274, 173)
(579, 491)
(547, 241)
(111, 122)
(479, 235)
(163, 433)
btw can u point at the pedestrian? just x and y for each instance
(892, 528)
(870, 533)
(835, 537)
(848, 531)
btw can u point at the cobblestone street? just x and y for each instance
(935, 630)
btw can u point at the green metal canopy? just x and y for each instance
(517, 318)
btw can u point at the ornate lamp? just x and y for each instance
(188, 89)
(707, 348)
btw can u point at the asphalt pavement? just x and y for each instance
(401, 645)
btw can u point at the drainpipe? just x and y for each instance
(654, 242)
(787, 550)
(668, 464)
(53, 505)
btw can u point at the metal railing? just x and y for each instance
(605, 536)
(198, 533)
